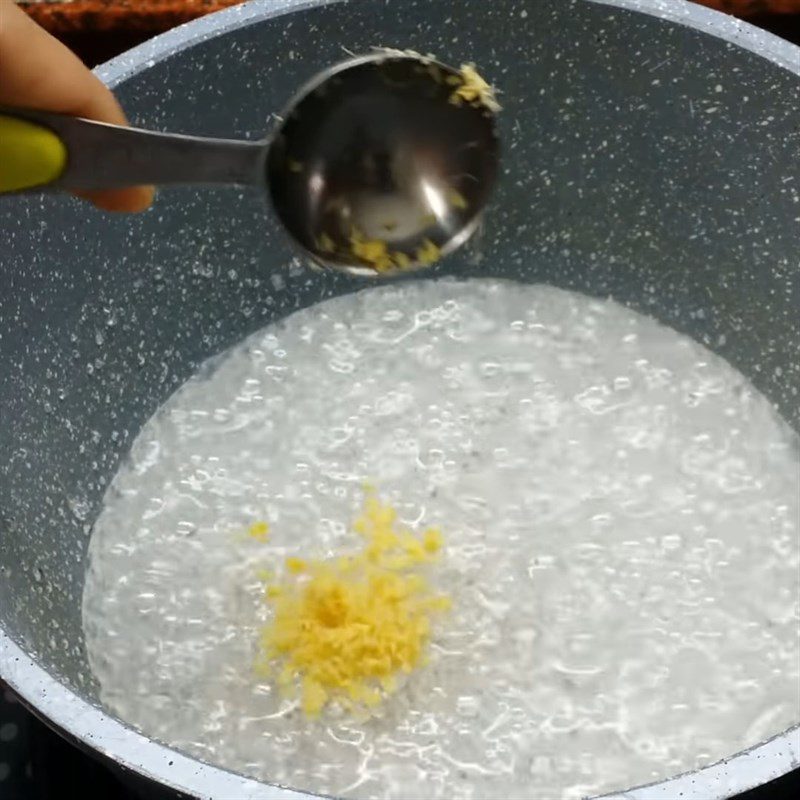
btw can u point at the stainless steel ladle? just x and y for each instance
(380, 164)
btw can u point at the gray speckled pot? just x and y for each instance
(652, 152)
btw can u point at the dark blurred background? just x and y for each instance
(100, 29)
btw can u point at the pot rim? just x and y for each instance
(94, 730)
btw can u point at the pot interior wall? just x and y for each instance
(643, 160)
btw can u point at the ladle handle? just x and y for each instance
(41, 150)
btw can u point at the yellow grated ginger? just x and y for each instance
(457, 200)
(428, 253)
(325, 243)
(374, 252)
(344, 628)
(296, 565)
(472, 89)
(259, 531)
(401, 259)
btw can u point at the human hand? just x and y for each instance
(37, 71)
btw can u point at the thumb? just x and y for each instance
(39, 72)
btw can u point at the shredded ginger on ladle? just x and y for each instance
(471, 88)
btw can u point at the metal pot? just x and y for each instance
(651, 153)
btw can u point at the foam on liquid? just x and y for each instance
(620, 509)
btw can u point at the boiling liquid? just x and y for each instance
(620, 511)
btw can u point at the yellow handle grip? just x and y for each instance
(30, 155)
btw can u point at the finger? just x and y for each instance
(133, 199)
(39, 72)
